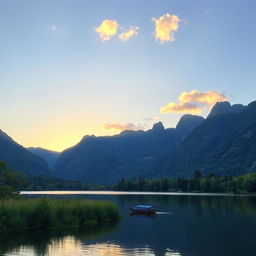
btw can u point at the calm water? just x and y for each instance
(185, 225)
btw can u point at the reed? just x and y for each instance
(43, 214)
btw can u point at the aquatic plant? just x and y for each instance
(43, 214)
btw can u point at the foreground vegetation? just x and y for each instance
(43, 214)
(210, 183)
(18, 213)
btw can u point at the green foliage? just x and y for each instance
(10, 182)
(39, 183)
(198, 183)
(44, 214)
(8, 192)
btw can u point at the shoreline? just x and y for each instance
(108, 192)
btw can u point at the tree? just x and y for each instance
(10, 182)
(197, 174)
(249, 183)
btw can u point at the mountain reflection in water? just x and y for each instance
(187, 225)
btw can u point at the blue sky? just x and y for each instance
(60, 81)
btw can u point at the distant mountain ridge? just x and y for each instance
(225, 107)
(49, 156)
(224, 144)
(19, 158)
(107, 159)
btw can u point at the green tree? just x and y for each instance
(10, 182)
(249, 183)
(197, 174)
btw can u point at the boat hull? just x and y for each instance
(150, 211)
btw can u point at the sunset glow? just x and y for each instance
(70, 69)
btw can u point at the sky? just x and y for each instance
(70, 68)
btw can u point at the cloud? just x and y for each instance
(180, 108)
(193, 102)
(107, 29)
(165, 27)
(151, 119)
(129, 33)
(53, 28)
(122, 126)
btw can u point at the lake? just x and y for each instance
(185, 224)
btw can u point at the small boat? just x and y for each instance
(143, 209)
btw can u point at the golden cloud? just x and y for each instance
(122, 126)
(165, 27)
(180, 108)
(107, 29)
(193, 102)
(128, 34)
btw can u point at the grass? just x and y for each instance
(44, 214)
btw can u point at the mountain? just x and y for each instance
(223, 144)
(225, 107)
(20, 159)
(187, 123)
(107, 159)
(49, 156)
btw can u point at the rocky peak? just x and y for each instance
(158, 127)
(225, 107)
(188, 122)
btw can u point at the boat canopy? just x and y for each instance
(143, 207)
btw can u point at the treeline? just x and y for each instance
(41, 183)
(198, 183)
(11, 182)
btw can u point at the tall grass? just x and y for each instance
(43, 214)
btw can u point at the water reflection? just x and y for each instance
(144, 215)
(184, 225)
(52, 242)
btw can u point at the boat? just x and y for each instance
(143, 209)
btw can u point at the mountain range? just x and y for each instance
(224, 143)
(20, 159)
(109, 158)
(50, 156)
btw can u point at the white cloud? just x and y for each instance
(165, 27)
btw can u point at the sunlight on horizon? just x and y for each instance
(71, 72)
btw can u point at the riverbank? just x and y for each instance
(43, 214)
